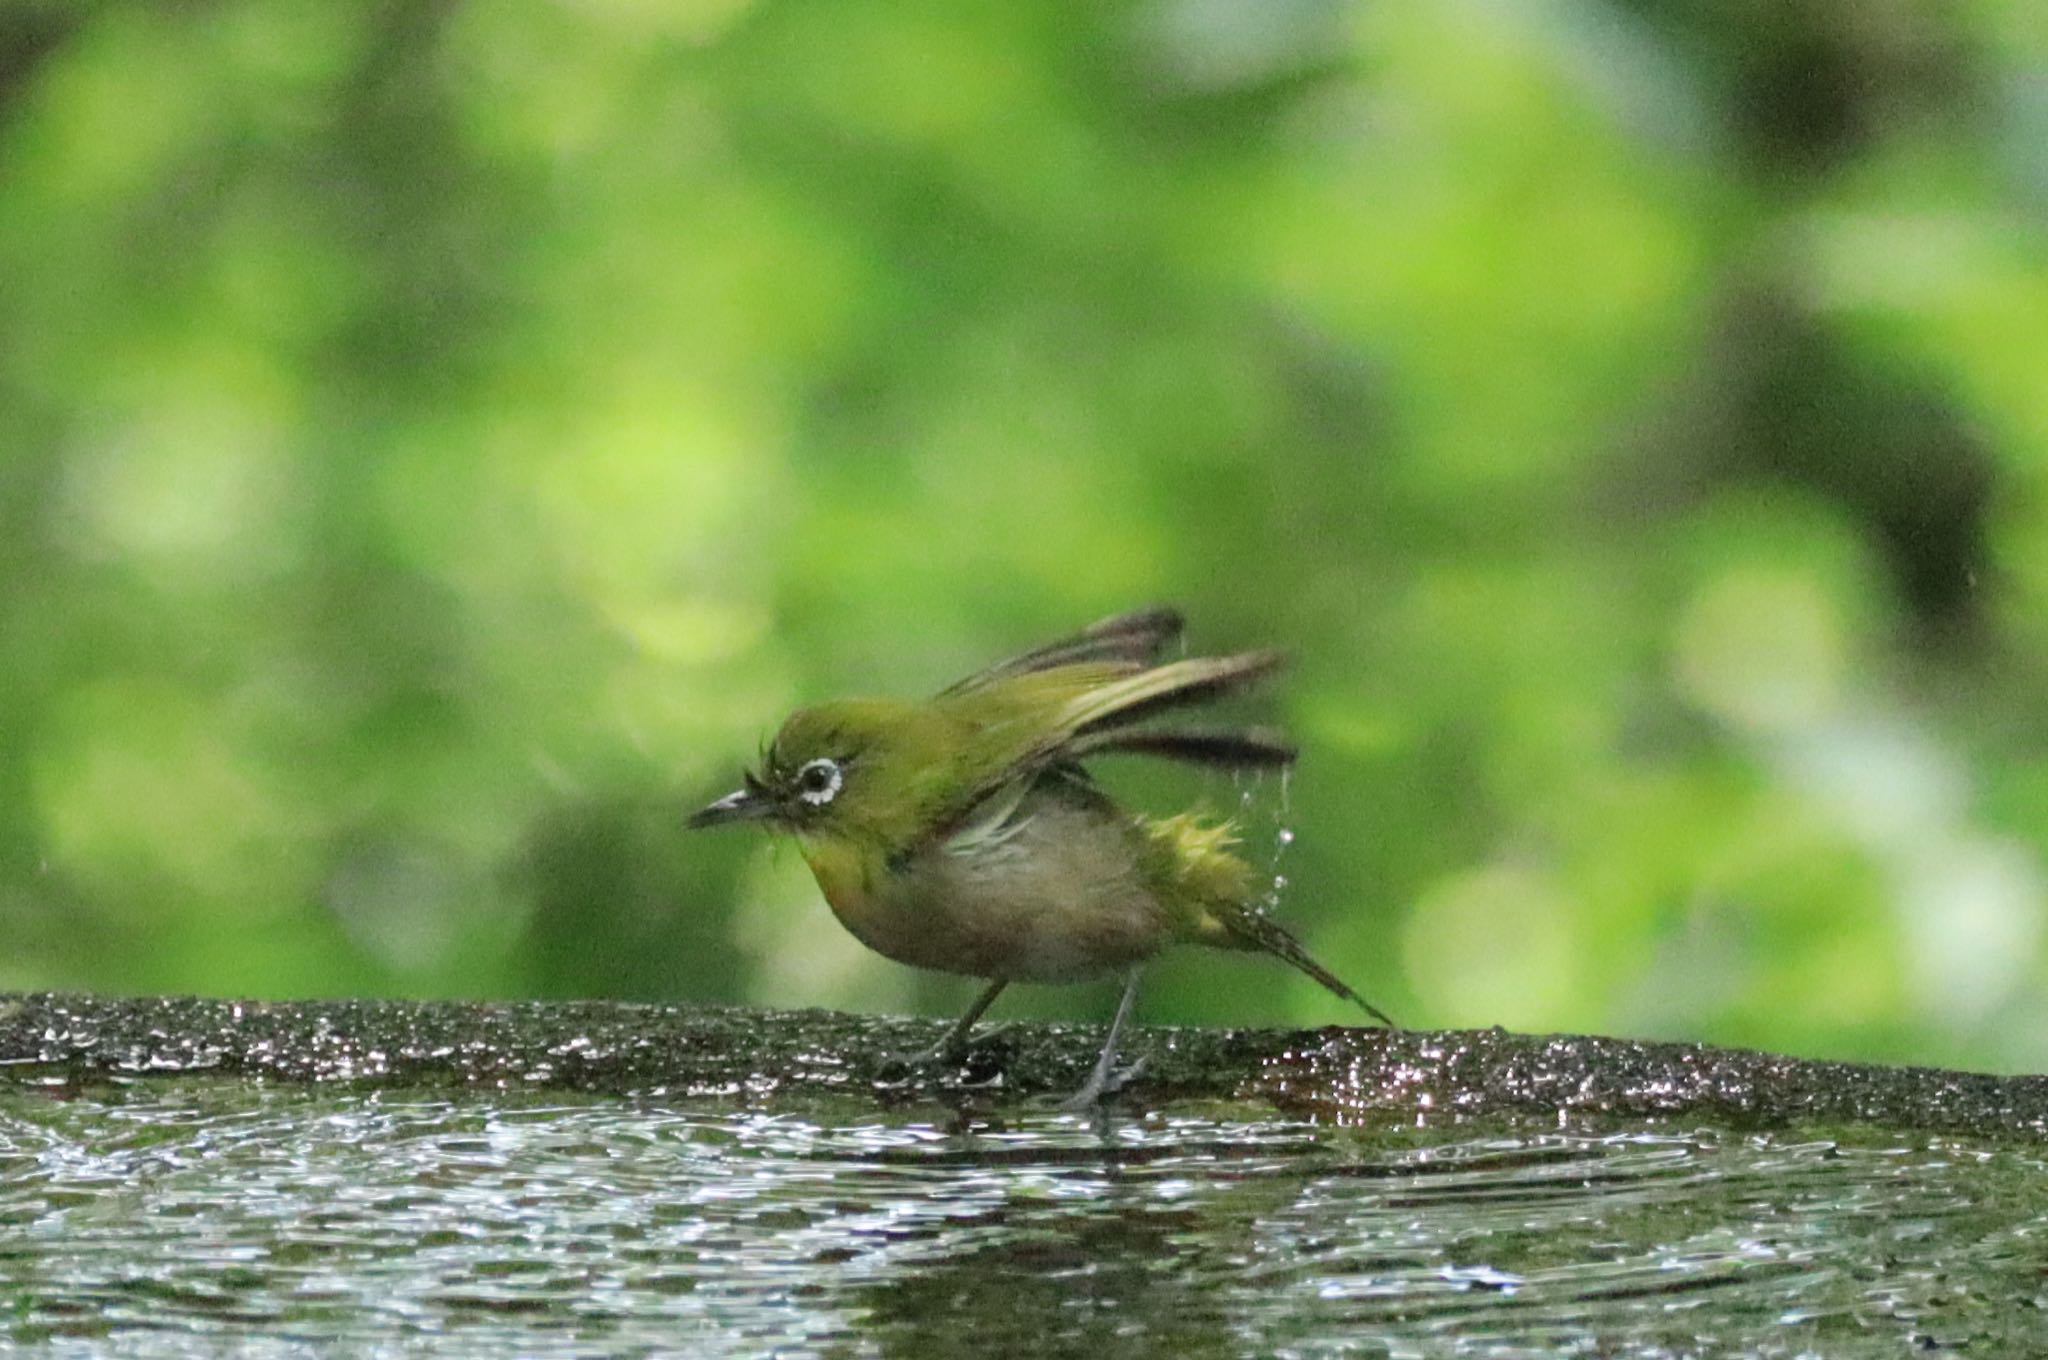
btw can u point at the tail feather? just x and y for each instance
(1262, 933)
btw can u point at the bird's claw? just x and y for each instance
(948, 1050)
(957, 1050)
(1100, 1086)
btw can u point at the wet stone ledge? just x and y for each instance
(1342, 1073)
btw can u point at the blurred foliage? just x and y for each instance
(440, 440)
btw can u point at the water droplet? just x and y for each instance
(1287, 835)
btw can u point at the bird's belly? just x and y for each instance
(1017, 911)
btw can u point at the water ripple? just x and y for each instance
(193, 1217)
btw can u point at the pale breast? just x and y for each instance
(1049, 892)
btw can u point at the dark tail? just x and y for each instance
(1268, 936)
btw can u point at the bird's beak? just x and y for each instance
(750, 804)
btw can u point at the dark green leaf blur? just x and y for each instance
(439, 441)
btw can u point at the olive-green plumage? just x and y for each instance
(962, 834)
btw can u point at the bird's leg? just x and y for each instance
(954, 1041)
(1105, 1080)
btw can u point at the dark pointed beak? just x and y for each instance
(749, 804)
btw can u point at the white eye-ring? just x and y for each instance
(817, 783)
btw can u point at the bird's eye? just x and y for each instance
(817, 783)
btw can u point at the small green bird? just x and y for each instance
(962, 833)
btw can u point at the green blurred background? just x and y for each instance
(438, 442)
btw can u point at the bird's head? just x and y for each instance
(858, 769)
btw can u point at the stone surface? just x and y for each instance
(1338, 1073)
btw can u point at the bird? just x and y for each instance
(964, 834)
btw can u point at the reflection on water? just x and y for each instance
(197, 1218)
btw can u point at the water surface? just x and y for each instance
(201, 1217)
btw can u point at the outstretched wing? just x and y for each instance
(1128, 640)
(1257, 748)
(1016, 728)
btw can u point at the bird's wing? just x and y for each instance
(1017, 728)
(1256, 748)
(1128, 640)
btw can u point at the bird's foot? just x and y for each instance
(1103, 1083)
(950, 1050)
